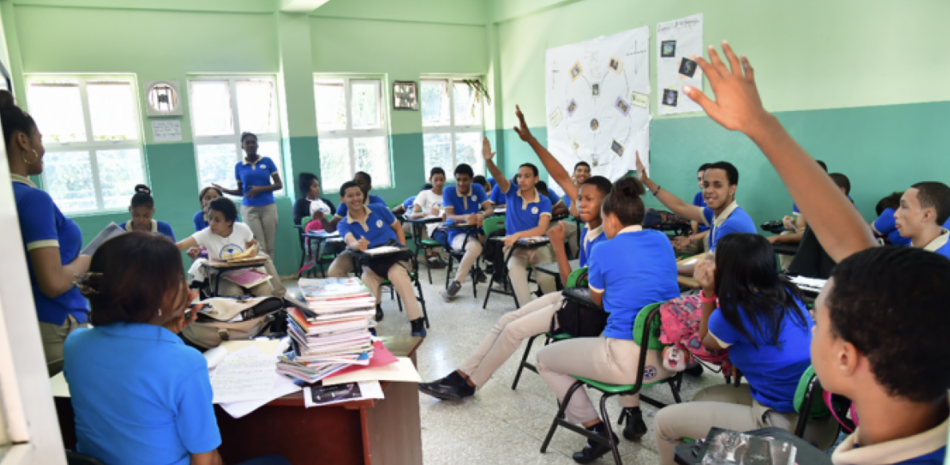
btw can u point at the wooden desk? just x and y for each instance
(689, 281)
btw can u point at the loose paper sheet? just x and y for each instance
(166, 130)
(676, 42)
(282, 387)
(248, 374)
(402, 370)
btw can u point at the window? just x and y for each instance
(91, 133)
(352, 130)
(221, 110)
(451, 125)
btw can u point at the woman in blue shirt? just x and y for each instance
(51, 241)
(158, 410)
(142, 209)
(205, 197)
(254, 177)
(761, 319)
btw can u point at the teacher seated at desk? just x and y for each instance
(141, 396)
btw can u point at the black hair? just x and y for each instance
(465, 168)
(822, 165)
(427, 186)
(937, 195)
(582, 163)
(703, 167)
(747, 284)
(892, 201)
(601, 183)
(534, 169)
(435, 171)
(304, 180)
(841, 181)
(890, 303)
(13, 118)
(131, 277)
(201, 195)
(624, 201)
(369, 179)
(542, 187)
(732, 174)
(142, 197)
(480, 180)
(245, 135)
(225, 206)
(346, 186)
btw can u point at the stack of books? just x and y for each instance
(330, 329)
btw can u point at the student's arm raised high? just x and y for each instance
(738, 107)
(555, 170)
(488, 155)
(674, 203)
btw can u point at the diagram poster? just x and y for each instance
(598, 102)
(676, 42)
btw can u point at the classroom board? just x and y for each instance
(676, 42)
(598, 102)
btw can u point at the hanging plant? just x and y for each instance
(480, 92)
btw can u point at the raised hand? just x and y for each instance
(487, 154)
(522, 129)
(641, 170)
(737, 105)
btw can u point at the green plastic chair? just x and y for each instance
(808, 399)
(646, 329)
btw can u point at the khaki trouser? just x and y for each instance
(263, 223)
(506, 336)
(728, 407)
(53, 338)
(603, 359)
(341, 267)
(472, 251)
(518, 271)
(573, 238)
(399, 276)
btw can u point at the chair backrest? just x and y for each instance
(818, 408)
(492, 224)
(653, 338)
(577, 278)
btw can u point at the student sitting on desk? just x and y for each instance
(370, 226)
(343, 265)
(205, 197)
(465, 203)
(225, 238)
(693, 244)
(142, 209)
(140, 395)
(722, 214)
(531, 319)
(923, 213)
(429, 203)
(528, 216)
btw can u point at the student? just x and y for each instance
(532, 319)
(558, 207)
(498, 197)
(223, 239)
(343, 265)
(370, 226)
(925, 208)
(205, 197)
(142, 209)
(693, 244)
(795, 226)
(762, 320)
(429, 203)
(860, 348)
(465, 203)
(481, 181)
(51, 241)
(886, 224)
(310, 203)
(140, 395)
(406, 205)
(257, 179)
(529, 216)
(581, 174)
(721, 214)
(632, 269)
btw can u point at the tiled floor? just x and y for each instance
(499, 425)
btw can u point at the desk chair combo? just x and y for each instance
(413, 275)
(454, 255)
(423, 243)
(500, 274)
(315, 255)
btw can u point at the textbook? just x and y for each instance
(727, 447)
(318, 290)
(246, 277)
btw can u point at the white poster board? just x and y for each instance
(676, 42)
(597, 99)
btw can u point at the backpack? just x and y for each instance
(232, 319)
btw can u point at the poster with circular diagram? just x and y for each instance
(677, 42)
(597, 96)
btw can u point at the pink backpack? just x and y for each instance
(313, 225)
(680, 327)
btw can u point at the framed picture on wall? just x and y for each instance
(405, 95)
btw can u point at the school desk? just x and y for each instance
(689, 281)
(805, 453)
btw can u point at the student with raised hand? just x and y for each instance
(924, 210)
(257, 179)
(886, 223)
(528, 215)
(51, 241)
(205, 197)
(140, 395)
(632, 269)
(142, 209)
(761, 318)
(429, 203)
(370, 226)
(694, 243)
(465, 203)
(533, 318)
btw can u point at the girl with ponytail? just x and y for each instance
(142, 209)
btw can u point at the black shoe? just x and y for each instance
(446, 392)
(594, 450)
(446, 384)
(418, 327)
(695, 370)
(480, 276)
(635, 428)
(379, 313)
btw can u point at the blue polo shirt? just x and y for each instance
(368, 200)
(699, 201)
(492, 182)
(634, 269)
(498, 197)
(199, 220)
(521, 215)
(161, 227)
(887, 226)
(773, 371)
(934, 458)
(377, 227)
(258, 173)
(587, 247)
(407, 204)
(43, 225)
(141, 396)
(462, 205)
(738, 222)
(554, 198)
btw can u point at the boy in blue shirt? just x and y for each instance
(464, 203)
(925, 207)
(694, 243)
(528, 215)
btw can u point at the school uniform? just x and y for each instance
(426, 201)
(885, 225)
(407, 204)
(473, 202)
(634, 269)
(700, 201)
(570, 225)
(223, 248)
(523, 215)
(377, 228)
(498, 197)
(160, 227)
(342, 265)
(927, 448)
(940, 245)
(200, 220)
(260, 211)
(732, 220)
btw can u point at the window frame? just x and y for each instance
(235, 139)
(90, 144)
(452, 129)
(348, 132)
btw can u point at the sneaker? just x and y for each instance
(418, 327)
(635, 428)
(379, 313)
(594, 450)
(449, 294)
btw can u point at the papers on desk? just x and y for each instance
(248, 374)
(316, 396)
(383, 250)
(809, 284)
(112, 230)
(246, 277)
(402, 370)
(281, 386)
(322, 233)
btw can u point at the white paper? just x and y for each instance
(683, 38)
(215, 356)
(596, 80)
(282, 387)
(166, 130)
(402, 370)
(691, 262)
(248, 374)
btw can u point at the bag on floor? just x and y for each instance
(578, 315)
(233, 319)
